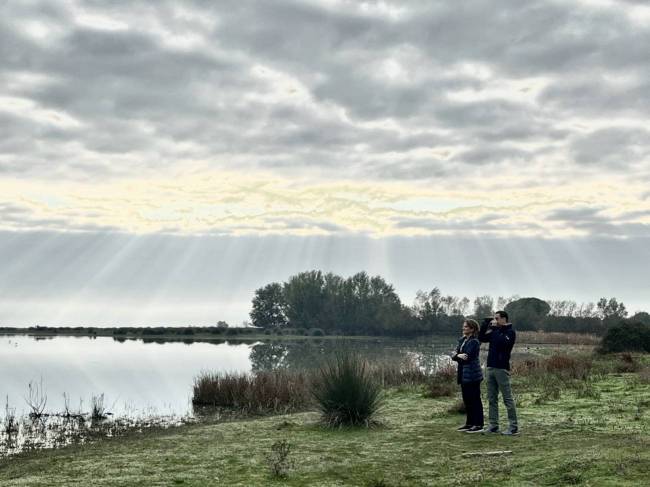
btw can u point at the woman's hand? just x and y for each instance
(462, 356)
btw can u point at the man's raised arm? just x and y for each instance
(485, 333)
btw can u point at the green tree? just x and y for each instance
(527, 313)
(610, 309)
(268, 307)
(428, 305)
(641, 317)
(305, 300)
(483, 307)
(385, 306)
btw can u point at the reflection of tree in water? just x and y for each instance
(268, 356)
(305, 354)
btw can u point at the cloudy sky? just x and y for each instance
(161, 160)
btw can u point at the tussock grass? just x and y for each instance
(346, 393)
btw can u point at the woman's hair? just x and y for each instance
(473, 325)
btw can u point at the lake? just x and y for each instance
(155, 379)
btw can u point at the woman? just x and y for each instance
(470, 376)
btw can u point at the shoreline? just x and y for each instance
(601, 439)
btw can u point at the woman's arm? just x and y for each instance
(454, 356)
(472, 349)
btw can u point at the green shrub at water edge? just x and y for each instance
(345, 392)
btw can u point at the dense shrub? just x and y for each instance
(627, 363)
(346, 393)
(571, 324)
(627, 337)
(442, 383)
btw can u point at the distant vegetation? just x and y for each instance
(314, 303)
(628, 337)
(147, 333)
(365, 305)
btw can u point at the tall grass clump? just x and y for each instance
(10, 424)
(276, 391)
(346, 393)
(97, 408)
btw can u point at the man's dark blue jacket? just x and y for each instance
(501, 340)
(468, 370)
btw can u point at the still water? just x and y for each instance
(147, 379)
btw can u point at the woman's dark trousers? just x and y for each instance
(473, 405)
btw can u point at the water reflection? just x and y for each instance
(148, 382)
(306, 354)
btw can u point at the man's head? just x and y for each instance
(501, 318)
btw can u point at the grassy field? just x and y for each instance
(595, 434)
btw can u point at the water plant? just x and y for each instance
(10, 425)
(36, 399)
(97, 408)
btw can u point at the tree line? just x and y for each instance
(368, 305)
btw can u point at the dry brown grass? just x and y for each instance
(549, 338)
(272, 391)
(644, 375)
(562, 365)
(442, 383)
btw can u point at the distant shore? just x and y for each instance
(200, 333)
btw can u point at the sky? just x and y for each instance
(159, 161)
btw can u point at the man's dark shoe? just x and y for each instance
(465, 427)
(475, 429)
(490, 429)
(511, 432)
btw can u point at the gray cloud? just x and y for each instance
(186, 82)
(614, 147)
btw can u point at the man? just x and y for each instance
(501, 337)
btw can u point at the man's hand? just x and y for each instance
(462, 356)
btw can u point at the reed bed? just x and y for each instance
(282, 390)
(392, 374)
(277, 391)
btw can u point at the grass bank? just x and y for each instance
(593, 435)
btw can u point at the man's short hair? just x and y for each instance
(502, 314)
